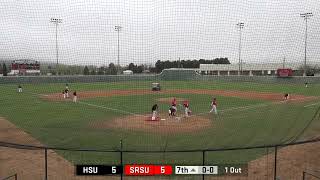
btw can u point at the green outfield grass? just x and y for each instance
(312, 90)
(66, 124)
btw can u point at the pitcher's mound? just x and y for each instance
(164, 124)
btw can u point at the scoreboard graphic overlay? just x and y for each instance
(159, 170)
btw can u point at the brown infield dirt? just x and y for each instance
(169, 100)
(239, 94)
(164, 125)
(29, 164)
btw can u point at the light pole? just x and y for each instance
(118, 29)
(306, 16)
(240, 25)
(56, 21)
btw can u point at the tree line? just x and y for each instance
(161, 65)
(3, 69)
(112, 69)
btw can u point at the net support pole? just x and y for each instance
(275, 163)
(121, 160)
(46, 163)
(203, 161)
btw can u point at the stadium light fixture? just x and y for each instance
(56, 21)
(240, 26)
(118, 29)
(306, 16)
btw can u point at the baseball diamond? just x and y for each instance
(159, 90)
(105, 114)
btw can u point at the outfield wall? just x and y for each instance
(166, 75)
(73, 79)
(262, 79)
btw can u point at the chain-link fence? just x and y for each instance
(294, 161)
(167, 74)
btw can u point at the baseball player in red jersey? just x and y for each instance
(173, 108)
(174, 102)
(214, 106)
(187, 111)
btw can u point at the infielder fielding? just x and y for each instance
(174, 103)
(187, 111)
(20, 88)
(154, 112)
(66, 92)
(214, 106)
(74, 96)
(173, 107)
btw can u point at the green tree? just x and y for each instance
(221, 61)
(86, 70)
(159, 66)
(5, 70)
(311, 70)
(101, 71)
(131, 67)
(93, 72)
(112, 69)
(139, 69)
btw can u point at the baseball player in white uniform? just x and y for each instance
(214, 106)
(20, 88)
(154, 112)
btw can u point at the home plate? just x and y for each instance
(163, 119)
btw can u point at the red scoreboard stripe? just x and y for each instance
(162, 170)
(147, 170)
(138, 170)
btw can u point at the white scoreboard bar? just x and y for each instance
(196, 170)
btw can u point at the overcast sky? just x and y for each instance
(158, 29)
